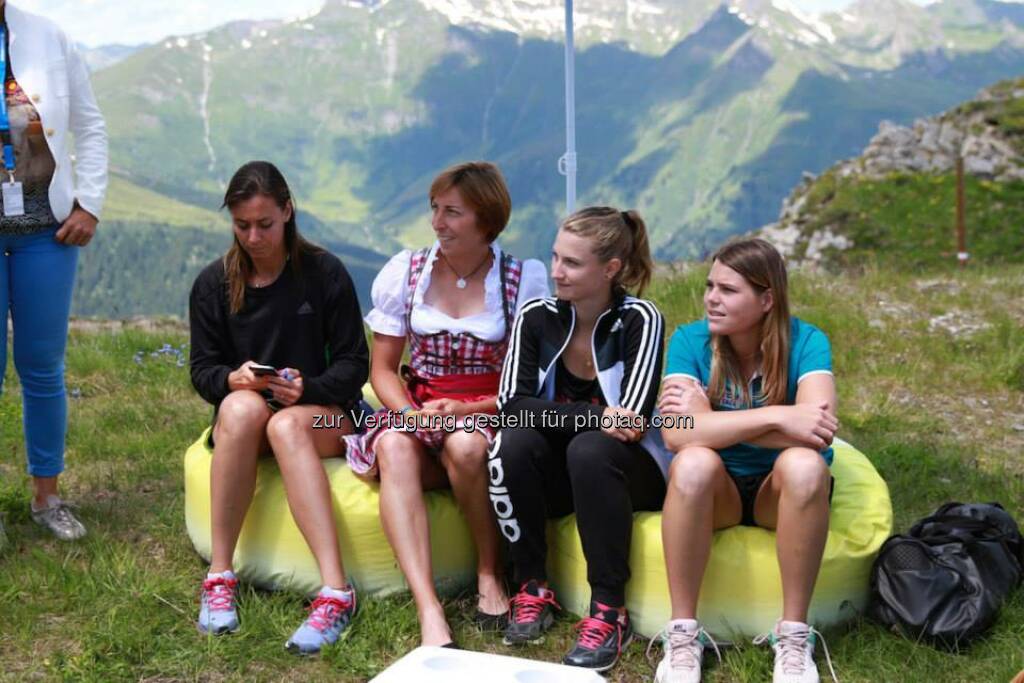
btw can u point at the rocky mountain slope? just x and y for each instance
(897, 199)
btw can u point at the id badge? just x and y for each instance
(14, 199)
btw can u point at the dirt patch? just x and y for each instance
(938, 286)
(958, 323)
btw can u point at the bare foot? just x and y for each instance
(434, 628)
(492, 597)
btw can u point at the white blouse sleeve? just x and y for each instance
(533, 283)
(388, 294)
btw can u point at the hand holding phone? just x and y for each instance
(261, 370)
(251, 376)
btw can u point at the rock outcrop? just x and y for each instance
(977, 131)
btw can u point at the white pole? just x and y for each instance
(567, 164)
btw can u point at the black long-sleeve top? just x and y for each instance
(311, 323)
(627, 345)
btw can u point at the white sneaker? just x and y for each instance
(794, 642)
(683, 641)
(58, 518)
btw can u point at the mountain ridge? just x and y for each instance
(362, 103)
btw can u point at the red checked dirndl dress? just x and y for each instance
(441, 365)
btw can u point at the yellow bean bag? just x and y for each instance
(271, 552)
(742, 591)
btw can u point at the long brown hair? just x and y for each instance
(252, 179)
(762, 267)
(616, 234)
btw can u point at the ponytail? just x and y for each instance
(638, 267)
(617, 234)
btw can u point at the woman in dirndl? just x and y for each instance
(453, 304)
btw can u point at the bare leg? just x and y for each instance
(239, 440)
(298, 448)
(406, 470)
(700, 499)
(794, 501)
(465, 459)
(43, 488)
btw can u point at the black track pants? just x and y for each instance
(536, 474)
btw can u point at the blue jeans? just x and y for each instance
(37, 274)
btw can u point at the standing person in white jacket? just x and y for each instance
(46, 216)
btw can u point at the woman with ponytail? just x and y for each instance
(581, 381)
(759, 385)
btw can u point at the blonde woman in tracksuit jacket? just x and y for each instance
(581, 382)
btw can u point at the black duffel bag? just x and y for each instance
(945, 580)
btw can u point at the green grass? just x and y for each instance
(908, 220)
(934, 411)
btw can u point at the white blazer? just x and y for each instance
(54, 76)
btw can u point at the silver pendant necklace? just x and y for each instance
(261, 284)
(460, 282)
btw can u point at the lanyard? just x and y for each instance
(5, 123)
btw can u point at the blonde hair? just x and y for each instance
(616, 234)
(483, 188)
(762, 267)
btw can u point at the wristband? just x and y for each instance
(406, 409)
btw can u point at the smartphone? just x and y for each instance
(262, 370)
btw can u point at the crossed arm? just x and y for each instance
(811, 422)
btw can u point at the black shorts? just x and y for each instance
(749, 484)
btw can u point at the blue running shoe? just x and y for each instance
(329, 615)
(217, 612)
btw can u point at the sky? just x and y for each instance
(130, 22)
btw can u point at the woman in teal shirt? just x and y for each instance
(759, 385)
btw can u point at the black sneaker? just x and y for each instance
(532, 613)
(600, 638)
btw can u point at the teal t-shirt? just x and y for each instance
(689, 355)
